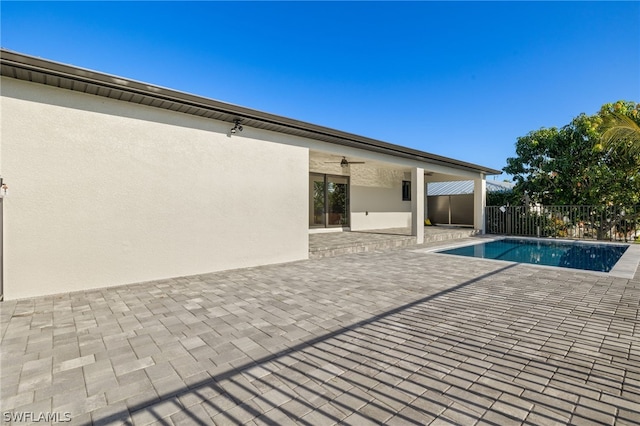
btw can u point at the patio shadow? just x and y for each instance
(340, 367)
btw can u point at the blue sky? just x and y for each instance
(459, 79)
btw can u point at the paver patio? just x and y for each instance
(393, 337)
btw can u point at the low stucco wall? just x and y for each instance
(379, 220)
(103, 193)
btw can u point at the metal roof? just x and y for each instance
(464, 187)
(37, 70)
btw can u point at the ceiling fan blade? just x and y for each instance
(344, 162)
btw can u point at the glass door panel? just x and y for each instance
(317, 194)
(337, 200)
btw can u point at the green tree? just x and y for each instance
(502, 198)
(573, 165)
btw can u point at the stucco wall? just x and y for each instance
(103, 192)
(376, 199)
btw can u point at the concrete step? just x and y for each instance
(388, 243)
(329, 245)
(442, 233)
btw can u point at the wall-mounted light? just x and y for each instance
(3, 191)
(237, 127)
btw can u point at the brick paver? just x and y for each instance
(394, 337)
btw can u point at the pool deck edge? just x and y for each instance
(625, 267)
(628, 264)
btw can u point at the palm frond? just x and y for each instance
(622, 133)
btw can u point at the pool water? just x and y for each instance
(585, 256)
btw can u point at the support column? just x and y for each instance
(479, 202)
(417, 204)
(426, 201)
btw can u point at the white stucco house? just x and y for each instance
(113, 181)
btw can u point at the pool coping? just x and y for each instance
(625, 267)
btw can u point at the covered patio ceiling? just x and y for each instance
(330, 163)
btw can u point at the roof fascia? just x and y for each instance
(33, 64)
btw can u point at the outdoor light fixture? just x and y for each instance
(237, 127)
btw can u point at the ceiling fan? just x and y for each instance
(344, 162)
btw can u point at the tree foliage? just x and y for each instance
(502, 198)
(576, 165)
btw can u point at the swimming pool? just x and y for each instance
(565, 254)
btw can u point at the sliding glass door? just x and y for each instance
(329, 200)
(317, 208)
